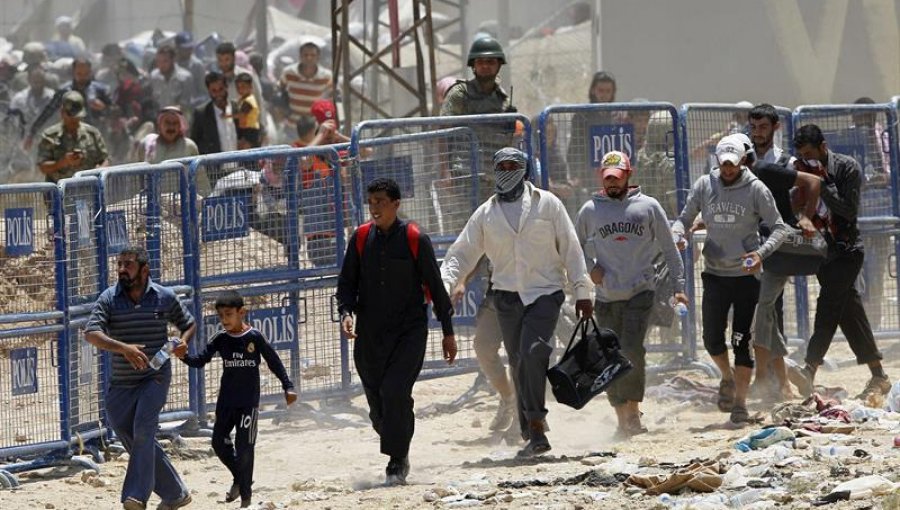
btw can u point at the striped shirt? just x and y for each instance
(302, 91)
(120, 318)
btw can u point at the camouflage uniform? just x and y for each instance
(466, 98)
(56, 142)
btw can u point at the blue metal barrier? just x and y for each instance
(436, 162)
(148, 205)
(270, 229)
(34, 422)
(868, 134)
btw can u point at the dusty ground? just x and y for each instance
(300, 464)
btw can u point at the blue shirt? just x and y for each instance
(145, 322)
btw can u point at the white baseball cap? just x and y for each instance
(731, 149)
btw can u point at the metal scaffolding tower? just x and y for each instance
(393, 76)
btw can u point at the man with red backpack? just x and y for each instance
(388, 273)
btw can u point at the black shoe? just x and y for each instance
(233, 493)
(245, 502)
(396, 471)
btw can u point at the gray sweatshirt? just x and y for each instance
(625, 237)
(732, 215)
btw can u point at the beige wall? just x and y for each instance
(787, 52)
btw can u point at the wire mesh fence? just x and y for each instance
(864, 133)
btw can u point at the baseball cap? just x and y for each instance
(63, 20)
(322, 110)
(184, 40)
(615, 164)
(73, 104)
(731, 149)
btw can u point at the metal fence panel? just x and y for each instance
(574, 138)
(147, 205)
(30, 285)
(436, 171)
(31, 389)
(249, 223)
(81, 205)
(492, 132)
(868, 134)
(704, 124)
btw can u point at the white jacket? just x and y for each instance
(535, 261)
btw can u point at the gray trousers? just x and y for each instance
(528, 336)
(765, 330)
(630, 320)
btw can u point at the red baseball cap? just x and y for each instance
(615, 164)
(322, 110)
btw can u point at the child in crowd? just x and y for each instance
(247, 112)
(242, 347)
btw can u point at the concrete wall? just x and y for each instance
(787, 52)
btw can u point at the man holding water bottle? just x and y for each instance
(130, 319)
(733, 201)
(622, 232)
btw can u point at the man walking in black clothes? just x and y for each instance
(242, 348)
(839, 302)
(388, 271)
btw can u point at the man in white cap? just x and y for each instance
(527, 236)
(733, 202)
(623, 232)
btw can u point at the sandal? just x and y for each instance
(739, 414)
(726, 395)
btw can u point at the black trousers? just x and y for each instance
(388, 364)
(720, 293)
(237, 456)
(839, 304)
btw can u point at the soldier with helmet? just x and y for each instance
(70, 145)
(481, 94)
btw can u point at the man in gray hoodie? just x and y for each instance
(733, 202)
(622, 232)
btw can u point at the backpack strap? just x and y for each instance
(362, 234)
(412, 238)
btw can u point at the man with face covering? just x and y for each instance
(530, 241)
(169, 142)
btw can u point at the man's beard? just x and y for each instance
(615, 192)
(127, 282)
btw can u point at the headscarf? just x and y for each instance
(510, 184)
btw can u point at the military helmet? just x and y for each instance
(485, 47)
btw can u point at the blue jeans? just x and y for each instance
(134, 416)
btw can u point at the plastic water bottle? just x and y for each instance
(163, 354)
(681, 309)
(835, 451)
(748, 262)
(746, 498)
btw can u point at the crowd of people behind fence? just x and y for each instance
(151, 103)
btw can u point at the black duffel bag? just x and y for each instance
(798, 255)
(587, 368)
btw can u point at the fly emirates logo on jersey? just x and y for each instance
(237, 360)
(725, 214)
